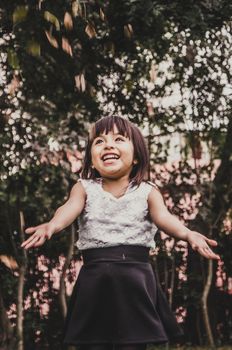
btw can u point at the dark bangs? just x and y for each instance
(127, 129)
(106, 125)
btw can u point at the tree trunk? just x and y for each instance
(22, 271)
(7, 340)
(205, 306)
(221, 201)
(62, 291)
(19, 323)
(172, 282)
(166, 276)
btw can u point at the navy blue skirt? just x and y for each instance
(116, 300)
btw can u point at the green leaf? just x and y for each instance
(13, 59)
(20, 14)
(52, 18)
(33, 48)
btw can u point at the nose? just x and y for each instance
(109, 144)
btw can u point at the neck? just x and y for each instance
(116, 187)
(121, 182)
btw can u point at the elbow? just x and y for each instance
(162, 220)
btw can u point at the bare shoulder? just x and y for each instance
(153, 185)
(156, 205)
(78, 191)
(155, 194)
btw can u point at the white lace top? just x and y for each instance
(109, 221)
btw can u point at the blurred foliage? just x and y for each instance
(165, 65)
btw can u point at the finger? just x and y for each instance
(31, 229)
(208, 253)
(26, 242)
(31, 242)
(38, 232)
(35, 241)
(214, 256)
(194, 247)
(40, 241)
(212, 242)
(204, 253)
(29, 245)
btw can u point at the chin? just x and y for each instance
(111, 174)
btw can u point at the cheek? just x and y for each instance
(132, 152)
(95, 155)
(129, 154)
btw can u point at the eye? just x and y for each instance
(119, 138)
(98, 141)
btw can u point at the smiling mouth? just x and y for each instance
(110, 156)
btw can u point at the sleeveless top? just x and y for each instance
(108, 221)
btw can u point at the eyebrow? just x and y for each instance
(118, 134)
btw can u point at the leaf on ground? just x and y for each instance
(9, 262)
(13, 86)
(128, 31)
(90, 31)
(152, 73)
(102, 15)
(150, 109)
(68, 22)
(76, 9)
(83, 84)
(39, 4)
(66, 46)
(51, 39)
(80, 82)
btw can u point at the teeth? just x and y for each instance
(110, 156)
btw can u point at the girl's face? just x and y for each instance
(113, 155)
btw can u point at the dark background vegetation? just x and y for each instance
(63, 65)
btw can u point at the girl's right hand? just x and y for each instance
(40, 234)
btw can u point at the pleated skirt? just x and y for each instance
(116, 300)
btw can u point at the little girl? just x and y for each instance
(116, 302)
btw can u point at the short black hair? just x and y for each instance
(127, 129)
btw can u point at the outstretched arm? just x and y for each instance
(62, 218)
(168, 223)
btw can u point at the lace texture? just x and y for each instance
(109, 221)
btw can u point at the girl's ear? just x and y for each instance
(135, 161)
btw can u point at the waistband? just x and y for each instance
(117, 253)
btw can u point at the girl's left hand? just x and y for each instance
(202, 244)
